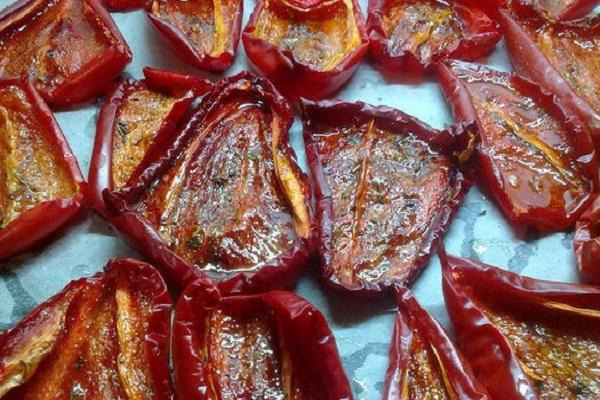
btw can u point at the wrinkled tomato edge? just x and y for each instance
(48, 217)
(481, 167)
(95, 77)
(491, 357)
(293, 78)
(281, 272)
(586, 243)
(577, 9)
(100, 173)
(413, 317)
(482, 36)
(185, 49)
(306, 338)
(338, 113)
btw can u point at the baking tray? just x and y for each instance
(362, 327)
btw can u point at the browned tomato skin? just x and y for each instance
(473, 36)
(173, 92)
(419, 343)
(449, 187)
(175, 170)
(295, 77)
(479, 296)
(559, 136)
(526, 30)
(46, 217)
(283, 347)
(111, 338)
(191, 49)
(103, 60)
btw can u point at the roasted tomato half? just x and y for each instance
(105, 337)
(307, 48)
(386, 188)
(525, 338)
(562, 57)
(70, 49)
(533, 156)
(270, 346)
(224, 196)
(424, 362)
(586, 243)
(408, 37)
(131, 119)
(40, 181)
(205, 33)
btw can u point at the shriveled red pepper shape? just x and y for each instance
(562, 57)
(224, 195)
(586, 242)
(424, 362)
(70, 49)
(525, 338)
(409, 37)
(533, 156)
(40, 181)
(135, 114)
(563, 10)
(205, 33)
(387, 188)
(307, 48)
(105, 337)
(270, 346)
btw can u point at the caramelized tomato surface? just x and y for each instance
(221, 206)
(561, 359)
(387, 191)
(420, 28)
(91, 348)
(138, 121)
(573, 50)
(320, 38)
(54, 45)
(207, 24)
(529, 148)
(30, 170)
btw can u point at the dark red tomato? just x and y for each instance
(586, 242)
(40, 181)
(70, 49)
(104, 337)
(535, 158)
(560, 56)
(131, 119)
(385, 190)
(271, 346)
(564, 10)
(408, 37)
(306, 48)
(224, 196)
(424, 362)
(525, 338)
(204, 33)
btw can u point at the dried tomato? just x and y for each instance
(563, 10)
(307, 48)
(408, 37)
(224, 196)
(105, 337)
(270, 346)
(386, 188)
(204, 33)
(424, 362)
(70, 49)
(562, 57)
(525, 338)
(40, 181)
(586, 242)
(533, 156)
(135, 115)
